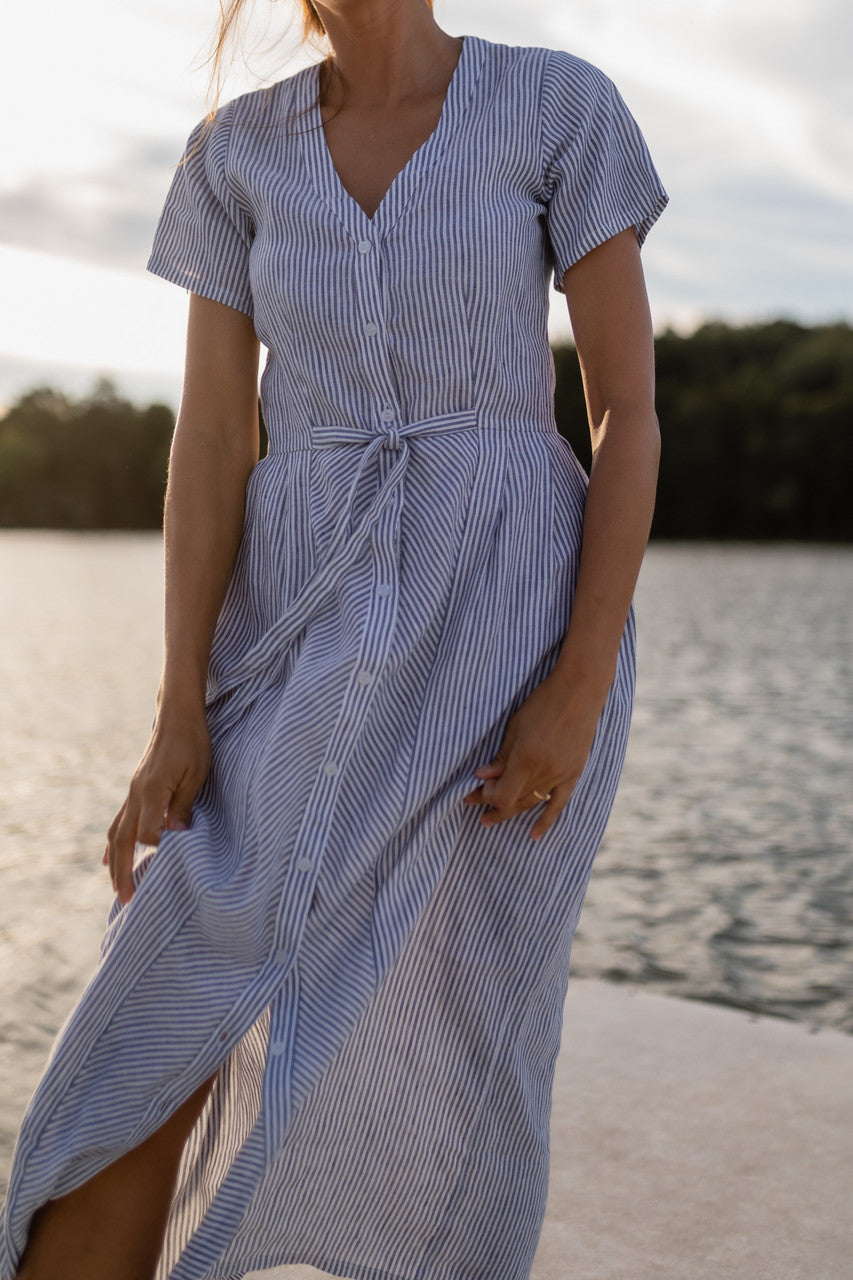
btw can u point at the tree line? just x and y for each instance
(756, 429)
(756, 426)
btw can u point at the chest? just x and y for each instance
(370, 148)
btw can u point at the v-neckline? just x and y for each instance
(327, 178)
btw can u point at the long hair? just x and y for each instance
(232, 13)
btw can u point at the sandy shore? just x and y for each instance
(693, 1142)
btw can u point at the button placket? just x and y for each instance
(277, 1083)
(368, 286)
(372, 656)
(309, 848)
(311, 842)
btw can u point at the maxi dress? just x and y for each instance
(378, 978)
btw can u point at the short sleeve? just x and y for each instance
(599, 176)
(204, 233)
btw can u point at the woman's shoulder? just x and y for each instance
(561, 60)
(550, 71)
(265, 100)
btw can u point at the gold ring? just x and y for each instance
(547, 796)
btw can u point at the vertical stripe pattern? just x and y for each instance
(377, 978)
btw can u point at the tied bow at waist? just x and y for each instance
(245, 679)
(393, 438)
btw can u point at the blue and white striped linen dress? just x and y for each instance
(379, 978)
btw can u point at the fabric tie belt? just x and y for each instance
(245, 679)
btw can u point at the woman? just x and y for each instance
(397, 684)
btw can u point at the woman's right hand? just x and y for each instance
(162, 790)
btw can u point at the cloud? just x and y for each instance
(747, 109)
(104, 214)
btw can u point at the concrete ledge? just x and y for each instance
(693, 1142)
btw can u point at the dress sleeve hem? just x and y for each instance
(641, 217)
(212, 289)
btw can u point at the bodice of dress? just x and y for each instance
(439, 303)
(406, 323)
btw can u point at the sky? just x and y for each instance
(746, 106)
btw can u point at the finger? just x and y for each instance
(176, 821)
(476, 797)
(109, 852)
(105, 860)
(154, 803)
(525, 800)
(179, 811)
(504, 794)
(491, 770)
(152, 823)
(553, 808)
(509, 780)
(121, 852)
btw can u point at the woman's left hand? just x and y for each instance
(545, 747)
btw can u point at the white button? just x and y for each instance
(278, 1047)
(364, 677)
(365, 246)
(331, 769)
(303, 864)
(282, 955)
(383, 589)
(388, 415)
(370, 329)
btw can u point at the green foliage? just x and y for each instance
(96, 463)
(756, 427)
(756, 430)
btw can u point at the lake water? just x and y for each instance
(727, 870)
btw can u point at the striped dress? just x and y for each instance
(377, 978)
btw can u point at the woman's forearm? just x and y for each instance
(203, 522)
(617, 519)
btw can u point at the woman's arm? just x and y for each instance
(214, 448)
(612, 326)
(548, 740)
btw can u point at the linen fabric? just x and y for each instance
(378, 978)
